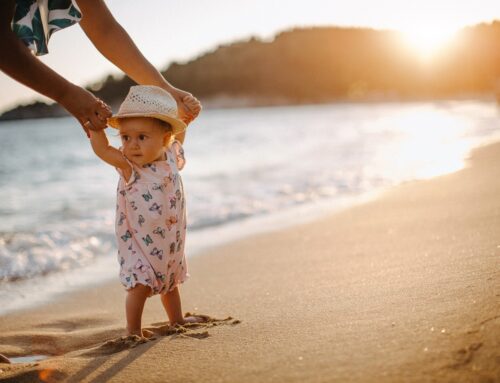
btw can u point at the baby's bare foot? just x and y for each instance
(147, 334)
(194, 319)
(144, 334)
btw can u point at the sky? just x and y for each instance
(180, 30)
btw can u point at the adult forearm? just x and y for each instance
(114, 43)
(22, 66)
(122, 51)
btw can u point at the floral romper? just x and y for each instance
(151, 224)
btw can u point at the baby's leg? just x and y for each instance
(136, 297)
(172, 303)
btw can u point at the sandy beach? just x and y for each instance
(403, 288)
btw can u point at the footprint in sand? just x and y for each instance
(465, 355)
(116, 345)
(161, 329)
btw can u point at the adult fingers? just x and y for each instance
(98, 115)
(105, 107)
(193, 104)
(183, 111)
(103, 112)
(95, 123)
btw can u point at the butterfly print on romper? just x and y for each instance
(141, 220)
(147, 196)
(179, 245)
(147, 240)
(160, 276)
(122, 218)
(178, 240)
(172, 248)
(141, 266)
(159, 187)
(128, 235)
(171, 221)
(159, 231)
(155, 208)
(157, 253)
(173, 201)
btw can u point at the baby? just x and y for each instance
(151, 209)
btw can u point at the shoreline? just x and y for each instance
(104, 270)
(400, 288)
(223, 101)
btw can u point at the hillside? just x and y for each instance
(324, 64)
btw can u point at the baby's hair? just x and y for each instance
(165, 125)
(167, 128)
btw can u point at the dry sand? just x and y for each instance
(404, 288)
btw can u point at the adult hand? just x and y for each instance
(90, 111)
(188, 106)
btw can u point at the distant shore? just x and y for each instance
(224, 101)
(293, 68)
(403, 288)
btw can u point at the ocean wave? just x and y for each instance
(24, 255)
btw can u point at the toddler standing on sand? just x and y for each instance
(151, 209)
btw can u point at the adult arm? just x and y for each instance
(18, 62)
(114, 43)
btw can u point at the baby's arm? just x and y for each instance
(109, 154)
(181, 137)
(192, 105)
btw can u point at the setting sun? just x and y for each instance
(429, 40)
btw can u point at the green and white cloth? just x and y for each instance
(36, 20)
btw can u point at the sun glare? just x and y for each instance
(428, 41)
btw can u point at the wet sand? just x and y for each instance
(404, 288)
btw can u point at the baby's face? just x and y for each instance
(143, 139)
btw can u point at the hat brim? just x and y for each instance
(178, 126)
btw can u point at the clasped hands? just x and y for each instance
(92, 112)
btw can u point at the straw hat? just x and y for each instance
(149, 101)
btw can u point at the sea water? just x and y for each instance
(248, 170)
